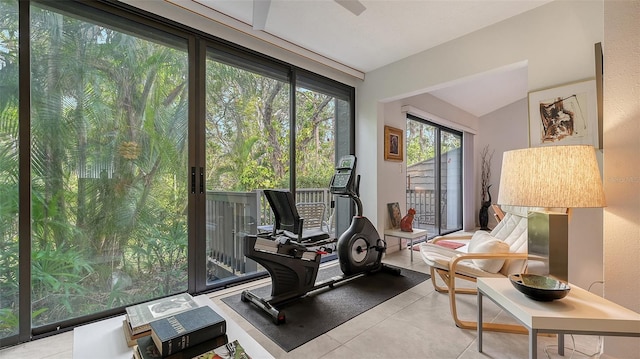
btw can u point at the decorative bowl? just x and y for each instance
(540, 288)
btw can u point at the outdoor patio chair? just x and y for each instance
(313, 214)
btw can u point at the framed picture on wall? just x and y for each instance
(564, 115)
(393, 139)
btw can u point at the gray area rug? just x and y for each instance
(322, 310)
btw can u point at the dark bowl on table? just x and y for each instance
(540, 288)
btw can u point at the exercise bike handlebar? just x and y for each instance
(358, 205)
(356, 197)
(354, 194)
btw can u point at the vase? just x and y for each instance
(483, 216)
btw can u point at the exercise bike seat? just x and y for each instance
(308, 235)
(288, 220)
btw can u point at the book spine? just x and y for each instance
(199, 349)
(187, 340)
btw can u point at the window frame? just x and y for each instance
(150, 25)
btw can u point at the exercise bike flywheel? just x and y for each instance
(359, 249)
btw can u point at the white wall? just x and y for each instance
(621, 48)
(502, 130)
(573, 27)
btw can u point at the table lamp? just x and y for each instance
(551, 178)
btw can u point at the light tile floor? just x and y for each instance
(414, 324)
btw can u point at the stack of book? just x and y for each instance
(138, 318)
(187, 331)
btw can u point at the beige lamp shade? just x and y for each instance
(551, 176)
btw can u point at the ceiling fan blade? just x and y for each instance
(260, 13)
(354, 6)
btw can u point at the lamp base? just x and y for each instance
(548, 241)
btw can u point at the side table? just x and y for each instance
(105, 338)
(411, 236)
(580, 312)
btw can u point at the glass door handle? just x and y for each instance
(193, 180)
(201, 179)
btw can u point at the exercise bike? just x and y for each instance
(292, 255)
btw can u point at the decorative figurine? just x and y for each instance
(406, 221)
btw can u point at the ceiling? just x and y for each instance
(385, 32)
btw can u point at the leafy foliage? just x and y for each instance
(109, 154)
(421, 142)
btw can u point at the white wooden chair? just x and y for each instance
(484, 254)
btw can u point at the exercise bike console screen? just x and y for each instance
(342, 181)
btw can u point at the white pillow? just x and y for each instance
(478, 238)
(489, 246)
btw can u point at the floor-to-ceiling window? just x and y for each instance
(144, 148)
(434, 175)
(323, 134)
(109, 164)
(247, 127)
(9, 102)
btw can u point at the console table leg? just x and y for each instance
(479, 325)
(533, 343)
(561, 344)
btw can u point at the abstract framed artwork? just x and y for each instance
(564, 115)
(393, 150)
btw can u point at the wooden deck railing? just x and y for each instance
(231, 216)
(424, 202)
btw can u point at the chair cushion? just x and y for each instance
(519, 245)
(431, 250)
(450, 244)
(491, 245)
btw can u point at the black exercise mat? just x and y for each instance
(325, 309)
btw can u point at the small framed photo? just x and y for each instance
(564, 115)
(395, 215)
(393, 139)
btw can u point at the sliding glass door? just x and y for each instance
(264, 128)
(323, 134)
(247, 141)
(434, 176)
(450, 184)
(108, 164)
